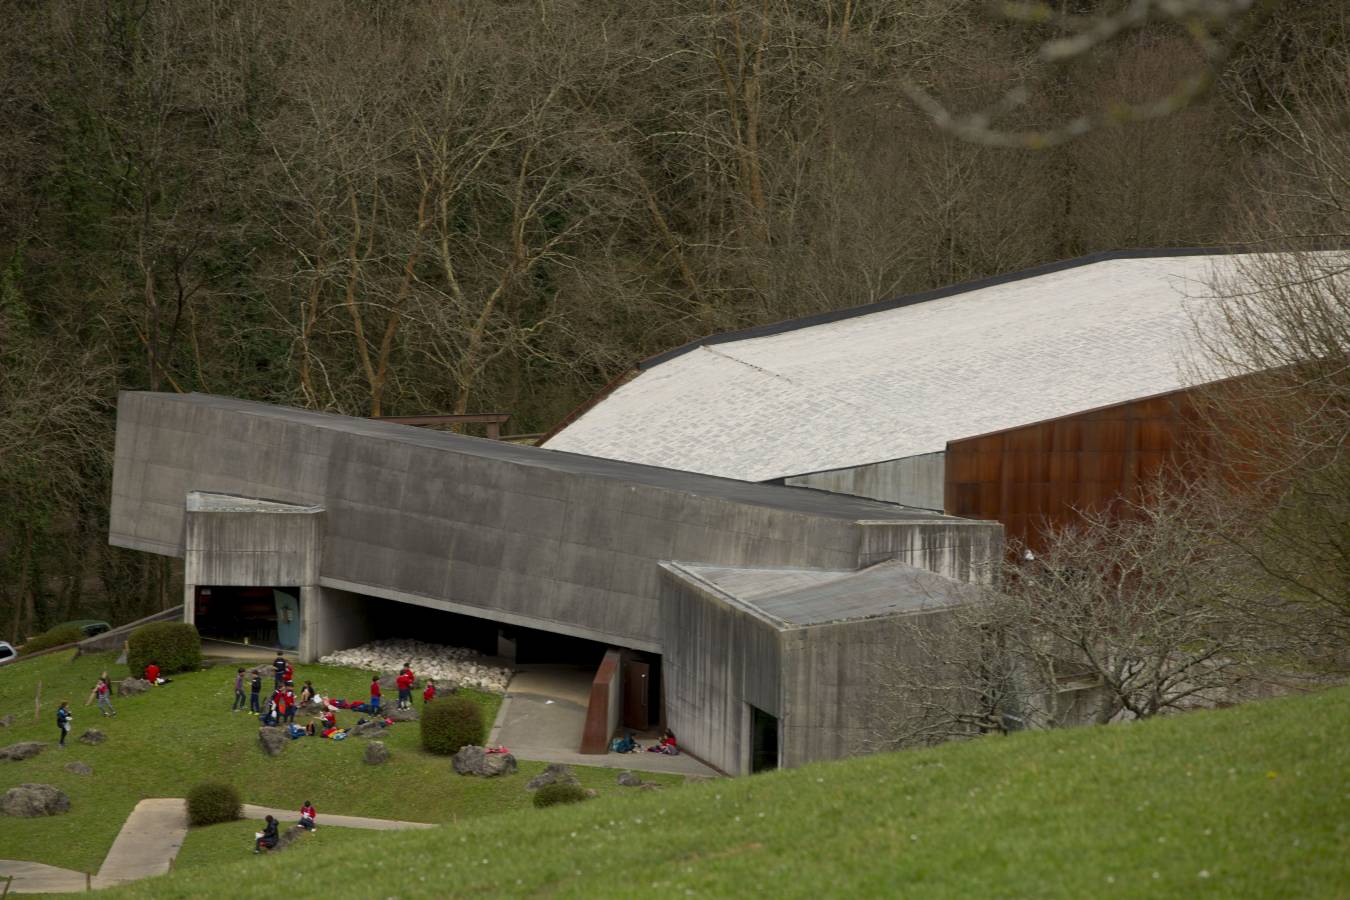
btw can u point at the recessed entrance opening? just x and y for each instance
(763, 740)
(267, 616)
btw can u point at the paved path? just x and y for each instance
(544, 713)
(148, 842)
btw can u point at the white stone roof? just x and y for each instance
(797, 597)
(905, 380)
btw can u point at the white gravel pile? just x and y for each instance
(455, 665)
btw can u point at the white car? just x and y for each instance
(7, 652)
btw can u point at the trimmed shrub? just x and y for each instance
(449, 724)
(213, 802)
(55, 637)
(176, 646)
(559, 792)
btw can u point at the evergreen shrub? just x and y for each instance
(213, 802)
(176, 646)
(449, 724)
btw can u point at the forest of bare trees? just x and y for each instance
(427, 206)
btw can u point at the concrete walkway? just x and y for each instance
(149, 841)
(544, 713)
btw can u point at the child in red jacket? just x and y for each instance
(404, 682)
(152, 672)
(430, 693)
(307, 816)
(375, 693)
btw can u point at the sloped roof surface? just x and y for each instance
(904, 377)
(798, 597)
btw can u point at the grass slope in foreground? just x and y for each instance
(1243, 802)
(164, 742)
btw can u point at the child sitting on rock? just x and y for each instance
(307, 816)
(267, 837)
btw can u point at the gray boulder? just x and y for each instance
(630, 779)
(376, 753)
(130, 687)
(288, 837)
(273, 740)
(473, 760)
(93, 736)
(78, 768)
(366, 728)
(402, 715)
(556, 773)
(22, 750)
(31, 800)
(6, 721)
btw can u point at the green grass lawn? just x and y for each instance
(1245, 802)
(178, 735)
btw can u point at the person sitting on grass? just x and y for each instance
(430, 693)
(307, 693)
(63, 720)
(270, 716)
(307, 816)
(375, 693)
(328, 719)
(267, 837)
(152, 672)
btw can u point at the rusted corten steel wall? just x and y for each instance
(1037, 475)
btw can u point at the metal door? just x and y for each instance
(636, 689)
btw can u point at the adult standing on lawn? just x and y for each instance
(238, 692)
(254, 689)
(103, 693)
(375, 692)
(279, 666)
(63, 720)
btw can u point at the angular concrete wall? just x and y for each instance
(834, 683)
(718, 658)
(517, 534)
(911, 481)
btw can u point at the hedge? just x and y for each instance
(175, 646)
(55, 637)
(449, 724)
(213, 802)
(559, 792)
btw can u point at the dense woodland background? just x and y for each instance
(443, 206)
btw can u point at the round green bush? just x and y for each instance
(61, 634)
(176, 646)
(213, 802)
(559, 792)
(449, 724)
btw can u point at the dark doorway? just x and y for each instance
(763, 741)
(637, 706)
(267, 616)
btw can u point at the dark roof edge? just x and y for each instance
(924, 296)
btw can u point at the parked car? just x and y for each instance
(7, 652)
(90, 627)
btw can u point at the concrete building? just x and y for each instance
(356, 529)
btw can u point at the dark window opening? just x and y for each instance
(266, 616)
(763, 741)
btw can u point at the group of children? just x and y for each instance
(282, 705)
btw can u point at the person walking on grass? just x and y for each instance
(429, 693)
(103, 694)
(254, 689)
(238, 692)
(63, 720)
(375, 693)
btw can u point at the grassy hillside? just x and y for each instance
(1247, 802)
(164, 742)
